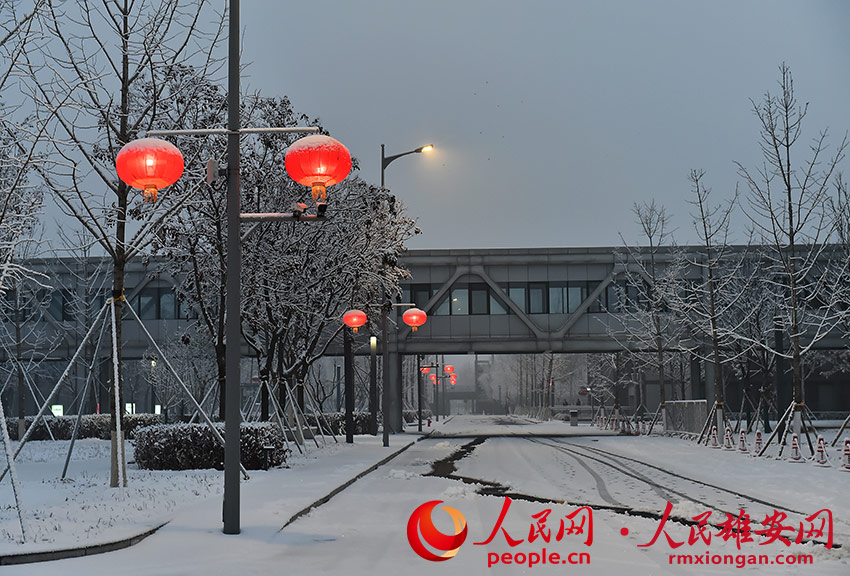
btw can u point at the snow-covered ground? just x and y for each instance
(362, 530)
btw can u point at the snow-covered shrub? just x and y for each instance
(91, 426)
(193, 446)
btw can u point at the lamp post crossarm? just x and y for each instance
(214, 131)
(277, 216)
(385, 160)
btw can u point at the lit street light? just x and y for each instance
(385, 160)
(385, 348)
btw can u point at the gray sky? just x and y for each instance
(550, 118)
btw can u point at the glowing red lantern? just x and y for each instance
(453, 379)
(354, 319)
(414, 317)
(149, 164)
(449, 369)
(434, 378)
(317, 161)
(425, 369)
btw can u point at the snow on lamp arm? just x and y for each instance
(317, 161)
(149, 164)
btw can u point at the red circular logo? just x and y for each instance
(421, 528)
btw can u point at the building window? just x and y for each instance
(167, 305)
(496, 307)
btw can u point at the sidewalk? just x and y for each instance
(269, 500)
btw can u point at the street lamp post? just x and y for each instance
(385, 161)
(373, 385)
(321, 177)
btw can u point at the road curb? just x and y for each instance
(49, 555)
(345, 485)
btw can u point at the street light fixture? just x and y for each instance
(385, 160)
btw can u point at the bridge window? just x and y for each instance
(537, 298)
(598, 304)
(517, 293)
(478, 299)
(576, 294)
(496, 307)
(460, 301)
(557, 297)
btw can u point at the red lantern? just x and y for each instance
(434, 378)
(149, 164)
(354, 319)
(425, 369)
(453, 379)
(317, 161)
(449, 369)
(414, 317)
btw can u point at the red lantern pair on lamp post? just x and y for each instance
(354, 319)
(151, 164)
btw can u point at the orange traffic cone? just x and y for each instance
(795, 456)
(821, 458)
(845, 460)
(727, 440)
(758, 444)
(742, 442)
(714, 443)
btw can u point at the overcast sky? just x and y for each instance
(550, 118)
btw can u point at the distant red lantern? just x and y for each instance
(434, 378)
(414, 317)
(354, 319)
(449, 369)
(425, 369)
(317, 161)
(453, 379)
(149, 164)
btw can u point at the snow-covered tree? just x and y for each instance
(704, 303)
(649, 329)
(102, 74)
(790, 209)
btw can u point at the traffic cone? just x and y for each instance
(821, 458)
(429, 422)
(795, 456)
(714, 443)
(845, 460)
(727, 440)
(742, 442)
(758, 445)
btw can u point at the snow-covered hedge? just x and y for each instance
(193, 446)
(91, 426)
(336, 420)
(361, 420)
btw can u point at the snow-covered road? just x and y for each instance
(534, 476)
